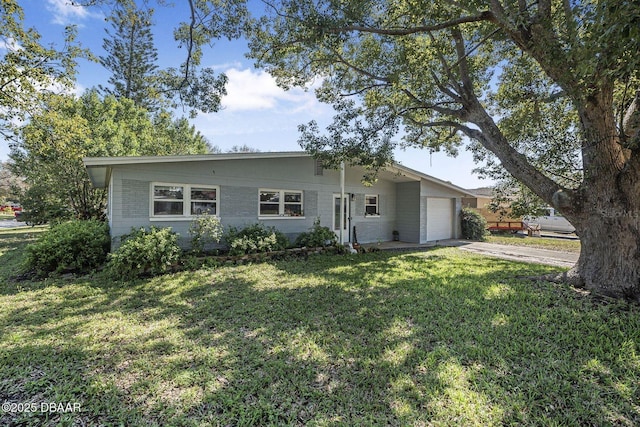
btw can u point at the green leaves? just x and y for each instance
(132, 59)
(29, 71)
(78, 246)
(50, 151)
(141, 252)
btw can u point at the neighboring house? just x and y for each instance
(478, 198)
(481, 200)
(288, 190)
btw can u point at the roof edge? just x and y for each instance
(129, 160)
(438, 181)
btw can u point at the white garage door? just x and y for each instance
(439, 219)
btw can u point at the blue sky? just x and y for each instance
(256, 112)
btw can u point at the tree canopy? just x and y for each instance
(50, 151)
(131, 57)
(29, 69)
(550, 88)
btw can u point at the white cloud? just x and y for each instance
(65, 13)
(226, 66)
(9, 44)
(249, 90)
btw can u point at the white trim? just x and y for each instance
(284, 217)
(171, 218)
(186, 200)
(135, 160)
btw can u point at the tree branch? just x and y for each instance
(443, 61)
(482, 16)
(360, 70)
(190, 45)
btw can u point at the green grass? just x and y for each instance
(12, 242)
(559, 244)
(438, 337)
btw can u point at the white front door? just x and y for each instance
(337, 218)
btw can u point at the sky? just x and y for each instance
(256, 112)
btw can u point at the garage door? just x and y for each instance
(439, 219)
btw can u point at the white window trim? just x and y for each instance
(377, 205)
(281, 203)
(186, 201)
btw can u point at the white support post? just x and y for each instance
(342, 206)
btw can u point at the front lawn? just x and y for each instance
(437, 337)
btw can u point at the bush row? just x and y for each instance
(82, 246)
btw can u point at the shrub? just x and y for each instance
(41, 207)
(318, 236)
(204, 230)
(255, 238)
(70, 246)
(145, 252)
(474, 225)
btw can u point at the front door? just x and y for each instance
(337, 218)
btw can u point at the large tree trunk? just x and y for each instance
(609, 262)
(606, 208)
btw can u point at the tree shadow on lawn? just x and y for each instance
(380, 339)
(12, 243)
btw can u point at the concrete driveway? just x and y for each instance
(517, 253)
(11, 223)
(513, 253)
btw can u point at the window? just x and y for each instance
(371, 205)
(179, 200)
(280, 203)
(168, 200)
(203, 200)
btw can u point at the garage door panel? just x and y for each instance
(439, 219)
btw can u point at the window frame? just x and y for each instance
(281, 204)
(186, 200)
(377, 205)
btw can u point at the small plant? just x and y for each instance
(78, 246)
(205, 230)
(145, 252)
(254, 239)
(474, 225)
(318, 236)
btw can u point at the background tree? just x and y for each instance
(244, 148)
(131, 56)
(441, 71)
(29, 70)
(50, 151)
(10, 185)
